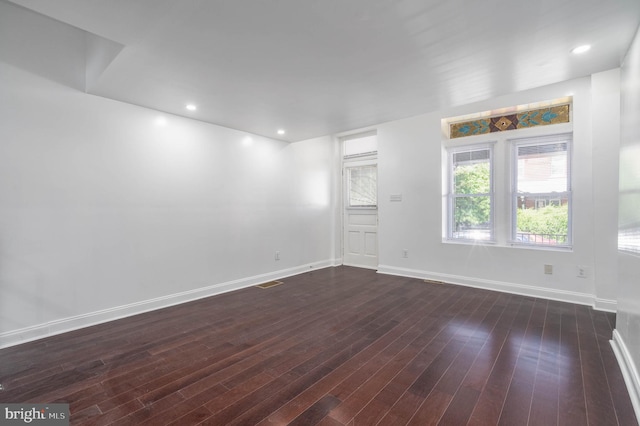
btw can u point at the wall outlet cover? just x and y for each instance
(582, 272)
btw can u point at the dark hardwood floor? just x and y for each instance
(338, 346)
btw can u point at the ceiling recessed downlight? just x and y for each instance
(581, 49)
(191, 107)
(281, 131)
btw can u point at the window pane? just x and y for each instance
(629, 240)
(543, 220)
(363, 186)
(471, 172)
(472, 218)
(361, 145)
(542, 168)
(542, 194)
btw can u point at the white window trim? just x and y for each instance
(451, 197)
(515, 143)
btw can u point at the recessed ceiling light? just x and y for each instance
(281, 131)
(191, 107)
(581, 49)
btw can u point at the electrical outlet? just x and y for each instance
(548, 269)
(405, 253)
(277, 256)
(582, 272)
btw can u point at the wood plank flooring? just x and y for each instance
(337, 346)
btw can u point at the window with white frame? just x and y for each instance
(361, 145)
(470, 194)
(541, 191)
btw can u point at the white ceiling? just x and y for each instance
(318, 67)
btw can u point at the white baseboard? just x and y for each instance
(607, 305)
(629, 371)
(63, 325)
(506, 287)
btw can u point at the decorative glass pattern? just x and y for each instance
(363, 186)
(521, 120)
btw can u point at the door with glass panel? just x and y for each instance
(360, 242)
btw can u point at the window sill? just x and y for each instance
(540, 247)
(491, 243)
(469, 242)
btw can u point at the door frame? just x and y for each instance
(370, 159)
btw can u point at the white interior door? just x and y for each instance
(360, 241)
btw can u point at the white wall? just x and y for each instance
(605, 97)
(104, 213)
(626, 340)
(410, 158)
